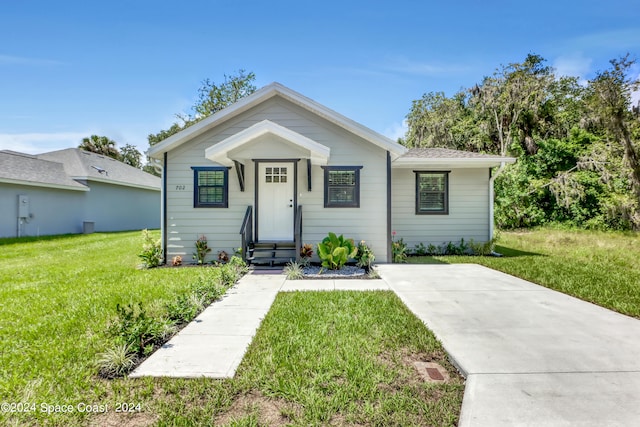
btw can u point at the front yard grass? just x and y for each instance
(318, 359)
(600, 267)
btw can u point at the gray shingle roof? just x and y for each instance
(32, 170)
(445, 153)
(82, 164)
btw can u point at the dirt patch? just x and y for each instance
(267, 411)
(420, 368)
(120, 419)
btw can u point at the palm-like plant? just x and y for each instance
(100, 145)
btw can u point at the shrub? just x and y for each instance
(420, 249)
(202, 249)
(482, 248)
(151, 254)
(294, 271)
(364, 256)
(334, 251)
(432, 250)
(116, 361)
(239, 265)
(139, 331)
(398, 249)
(186, 307)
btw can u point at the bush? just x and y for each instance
(186, 307)
(151, 254)
(364, 256)
(398, 249)
(137, 330)
(334, 251)
(202, 249)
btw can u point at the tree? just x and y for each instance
(211, 99)
(100, 145)
(512, 100)
(610, 103)
(131, 156)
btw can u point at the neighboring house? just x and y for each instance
(74, 191)
(286, 170)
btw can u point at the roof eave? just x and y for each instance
(80, 187)
(115, 182)
(450, 162)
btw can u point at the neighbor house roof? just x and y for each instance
(84, 165)
(445, 157)
(263, 94)
(25, 169)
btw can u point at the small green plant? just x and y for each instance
(186, 307)
(202, 249)
(237, 263)
(482, 248)
(139, 331)
(398, 249)
(151, 254)
(334, 251)
(293, 271)
(420, 249)
(364, 256)
(450, 248)
(116, 361)
(432, 249)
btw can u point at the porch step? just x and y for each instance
(272, 252)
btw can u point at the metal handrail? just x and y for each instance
(246, 232)
(298, 232)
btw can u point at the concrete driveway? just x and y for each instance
(531, 356)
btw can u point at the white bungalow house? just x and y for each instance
(277, 169)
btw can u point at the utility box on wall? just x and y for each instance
(24, 210)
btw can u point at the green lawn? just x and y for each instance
(600, 267)
(318, 358)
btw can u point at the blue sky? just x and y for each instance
(123, 69)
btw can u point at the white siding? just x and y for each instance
(468, 216)
(222, 226)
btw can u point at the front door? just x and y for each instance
(275, 201)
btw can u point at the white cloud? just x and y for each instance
(396, 130)
(404, 65)
(22, 60)
(575, 65)
(36, 143)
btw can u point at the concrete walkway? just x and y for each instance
(214, 344)
(532, 356)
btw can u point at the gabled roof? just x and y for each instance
(262, 95)
(84, 165)
(318, 153)
(24, 169)
(445, 157)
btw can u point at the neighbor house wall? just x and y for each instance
(54, 211)
(468, 216)
(118, 207)
(222, 225)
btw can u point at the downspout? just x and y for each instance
(492, 178)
